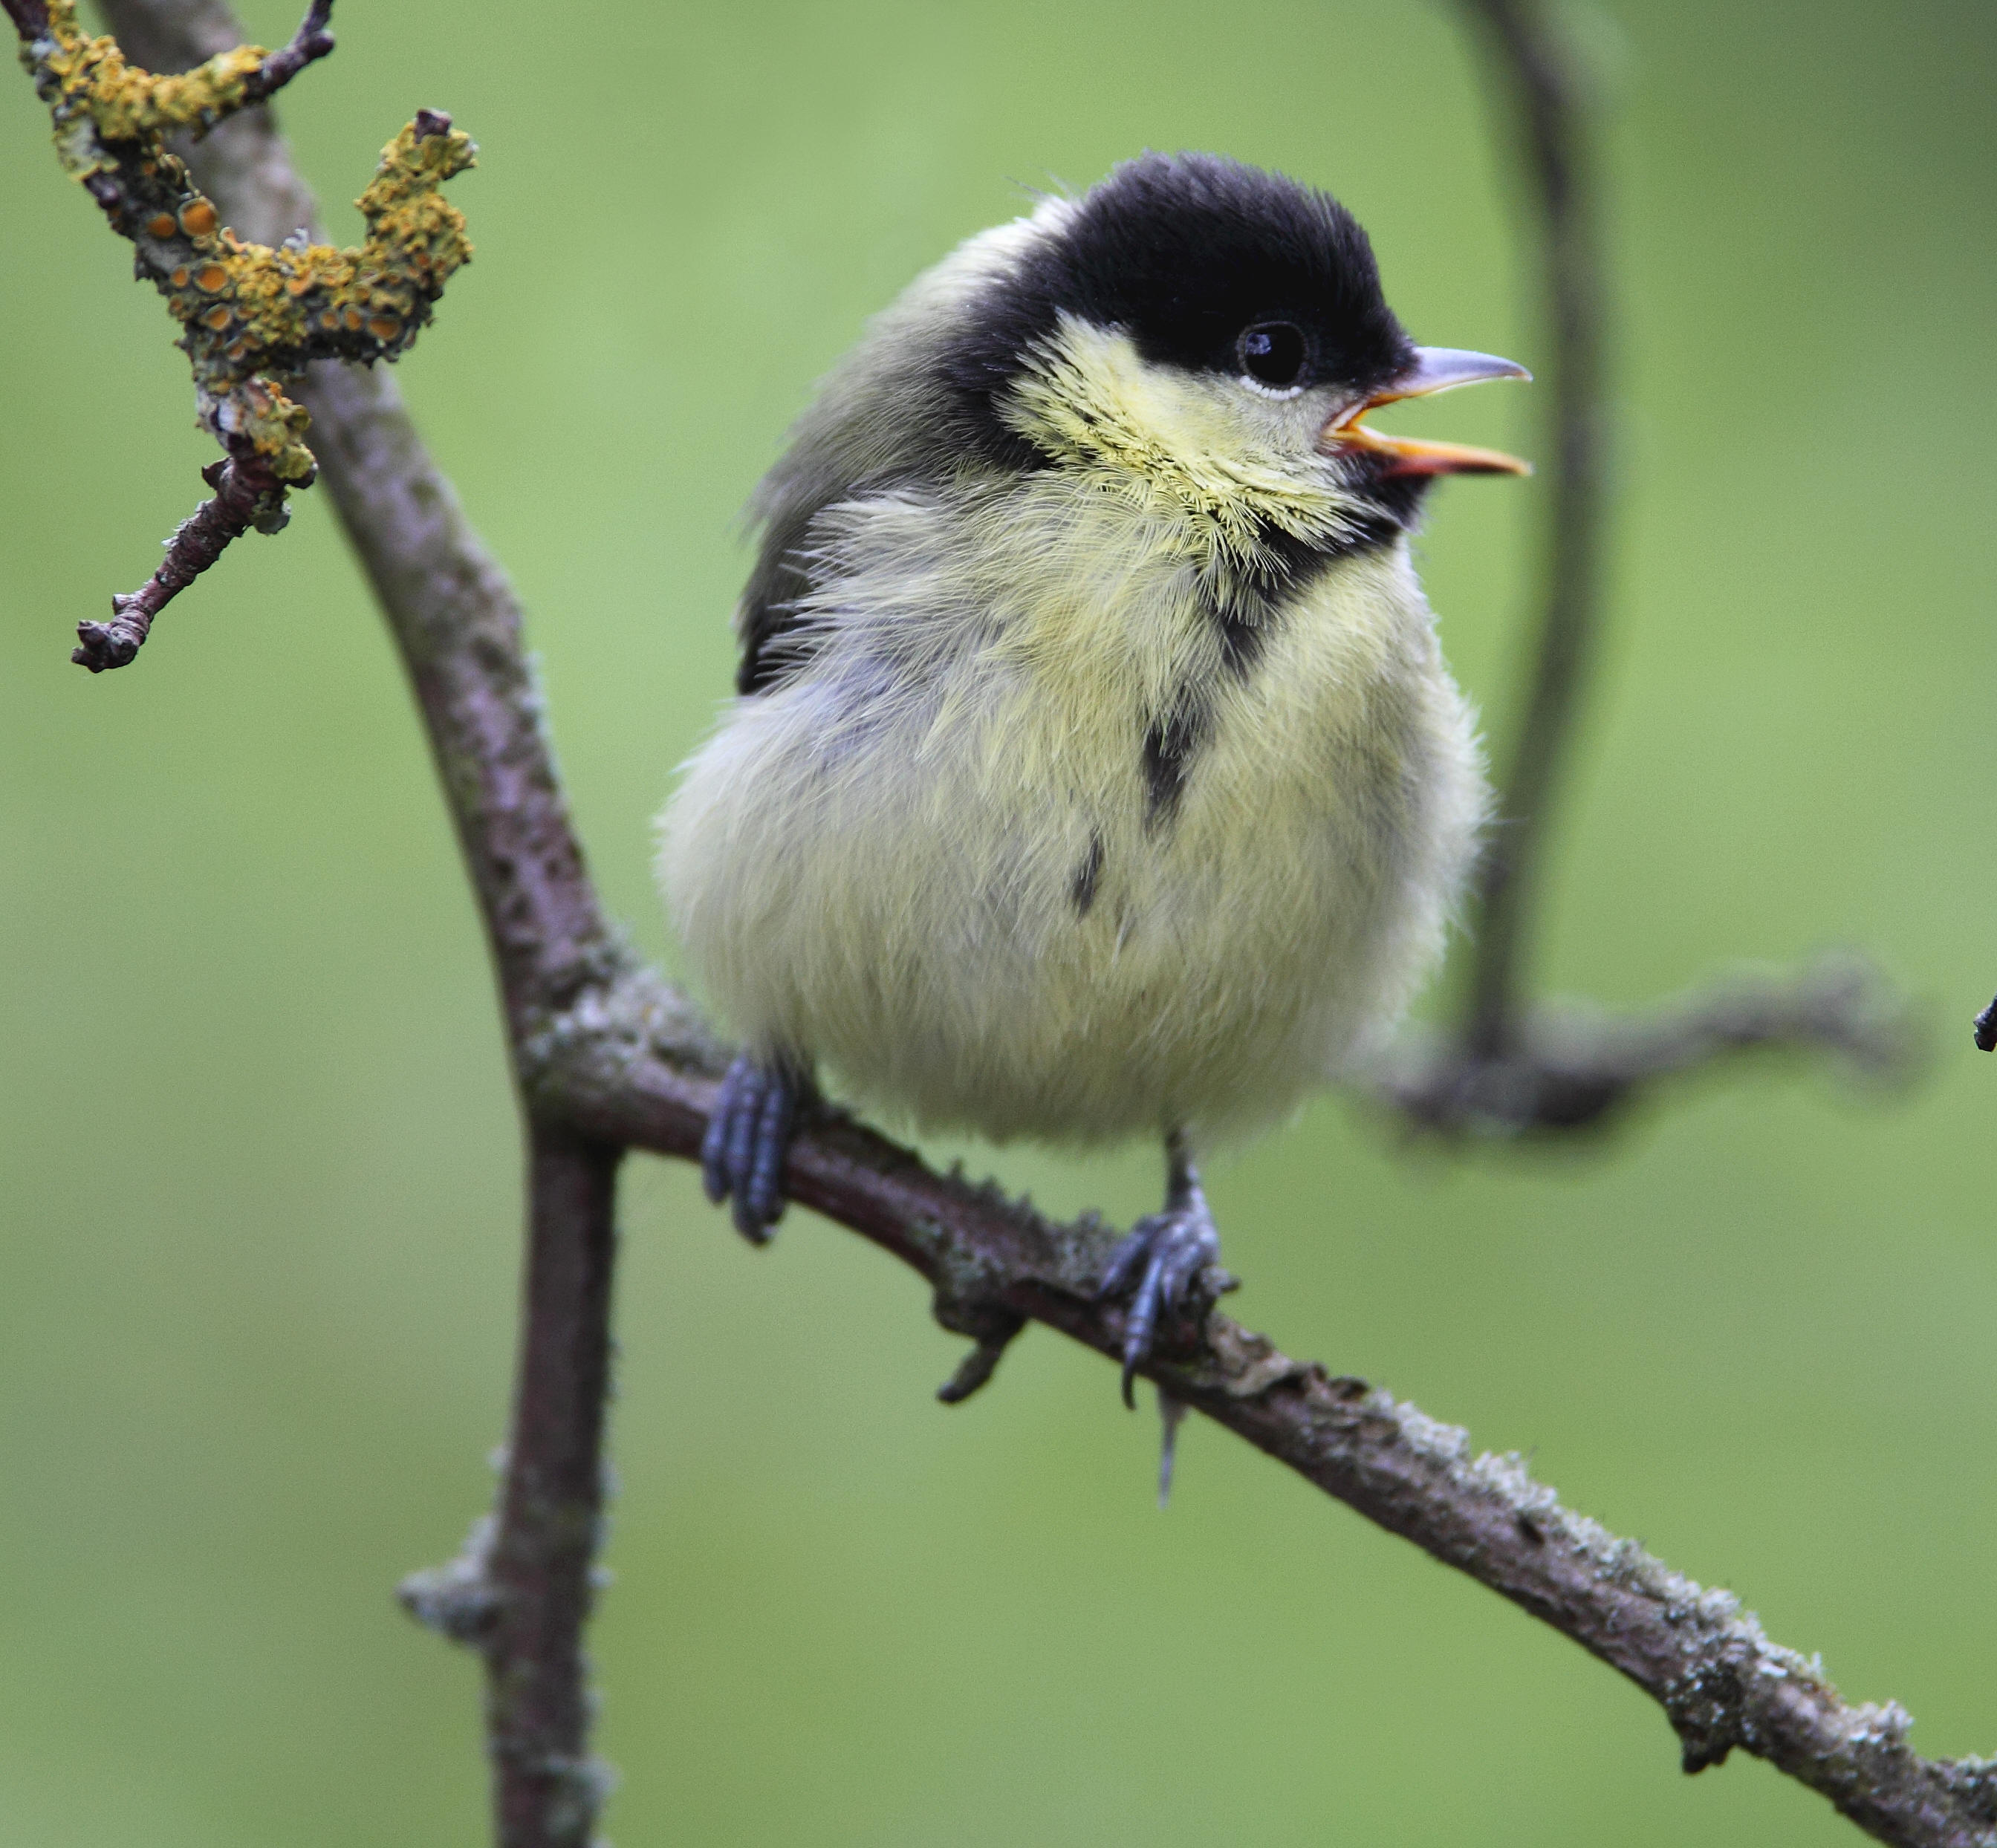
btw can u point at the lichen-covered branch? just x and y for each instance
(250, 314)
(608, 1056)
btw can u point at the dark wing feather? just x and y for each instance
(767, 620)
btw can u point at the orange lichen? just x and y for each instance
(246, 311)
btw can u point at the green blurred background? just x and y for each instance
(259, 1171)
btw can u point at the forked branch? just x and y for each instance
(249, 314)
(1512, 1067)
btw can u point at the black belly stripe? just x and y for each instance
(1088, 877)
(1245, 609)
(1171, 741)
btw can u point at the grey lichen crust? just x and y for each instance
(633, 1060)
(458, 1599)
(1740, 1688)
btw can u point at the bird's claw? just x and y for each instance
(748, 1136)
(1155, 1264)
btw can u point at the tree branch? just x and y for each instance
(631, 1065)
(1535, 62)
(312, 40)
(608, 1055)
(522, 1597)
(1512, 1068)
(248, 313)
(1564, 1069)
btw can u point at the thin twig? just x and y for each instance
(247, 492)
(1536, 62)
(608, 1056)
(548, 1789)
(311, 41)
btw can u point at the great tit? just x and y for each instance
(1093, 771)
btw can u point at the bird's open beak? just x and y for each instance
(1436, 369)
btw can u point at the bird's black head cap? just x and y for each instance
(1185, 252)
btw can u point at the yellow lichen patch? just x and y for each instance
(275, 425)
(124, 103)
(409, 220)
(247, 313)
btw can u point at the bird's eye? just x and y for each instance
(1273, 352)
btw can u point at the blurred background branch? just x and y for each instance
(1545, 105)
(607, 1057)
(1513, 1066)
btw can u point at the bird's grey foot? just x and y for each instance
(1155, 1263)
(748, 1136)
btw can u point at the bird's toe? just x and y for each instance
(1155, 1265)
(748, 1138)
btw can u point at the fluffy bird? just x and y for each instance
(1093, 771)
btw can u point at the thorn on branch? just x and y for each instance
(1706, 1707)
(990, 1324)
(1986, 1029)
(978, 1365)
(1563, 1070)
